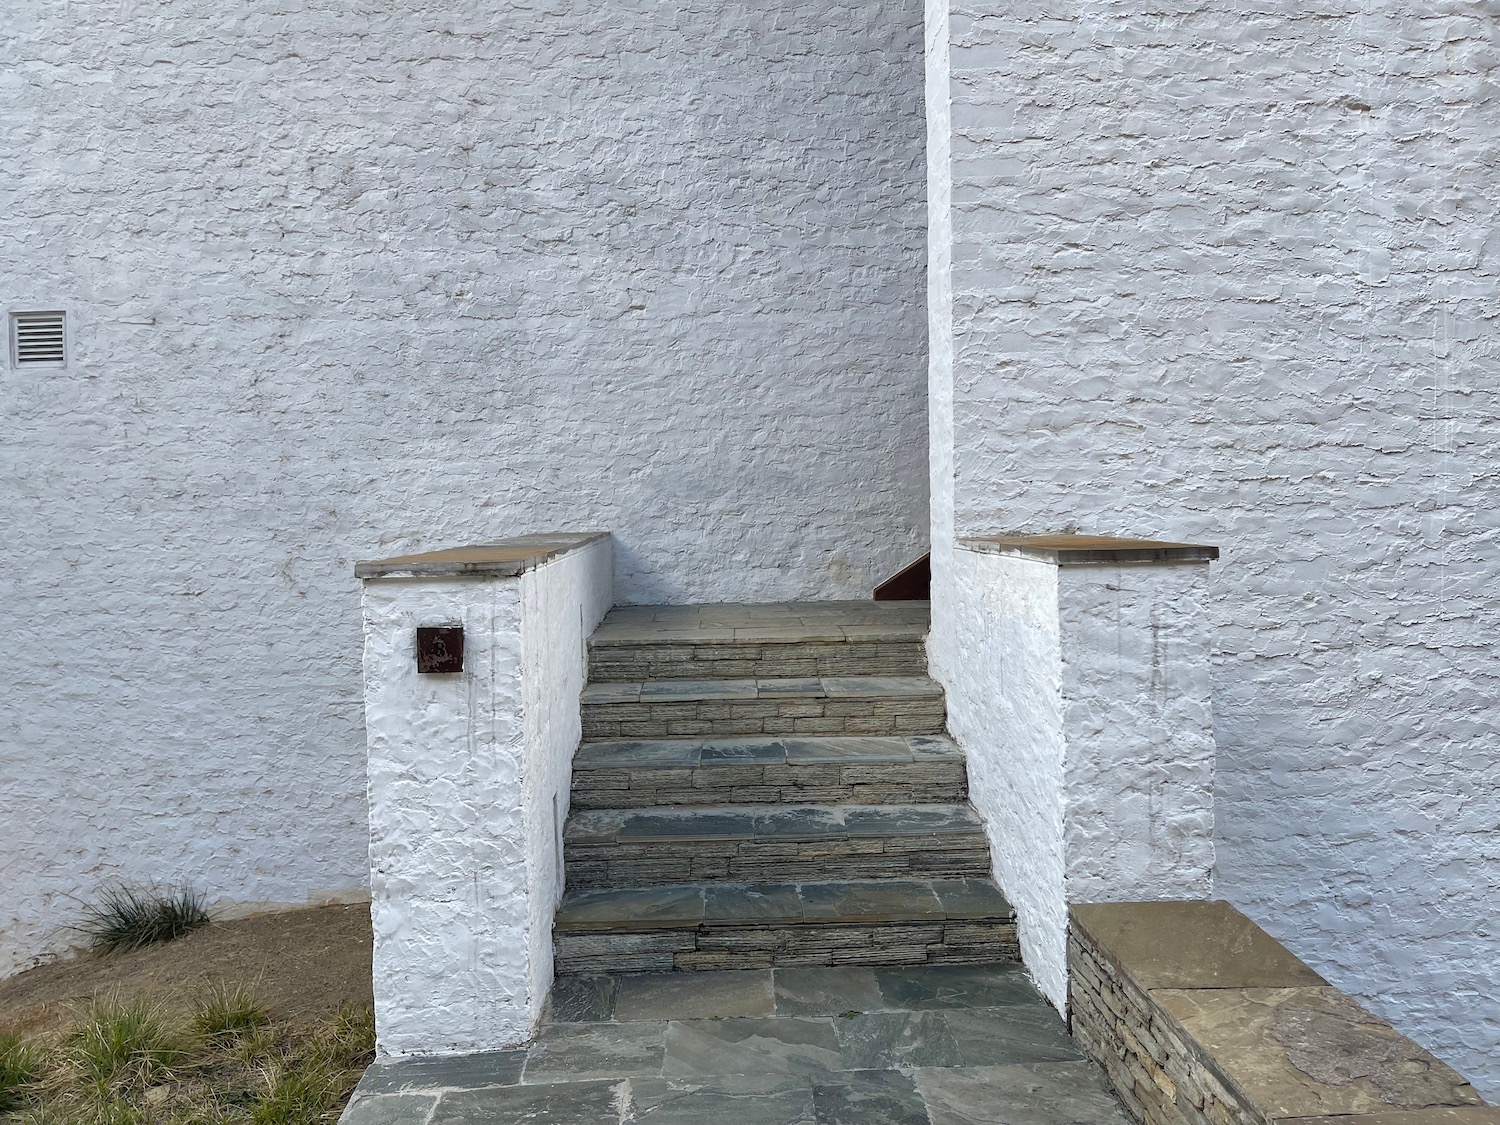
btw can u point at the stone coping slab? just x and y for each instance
(1306, 1052)
(1089, 550)
(507, 558)
(1189, 945)
(1436, 1115)
(1196, 997)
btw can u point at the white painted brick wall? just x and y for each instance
(349, 279)
(1228, 275)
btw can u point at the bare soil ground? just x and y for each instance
(305, 966)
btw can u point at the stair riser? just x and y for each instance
(933, 783)
(918, 714)
(657, 862)
(968, 942)
(633, 663)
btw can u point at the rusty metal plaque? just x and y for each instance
(440, 648)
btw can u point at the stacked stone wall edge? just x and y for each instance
(1227, 276)
(353, 280)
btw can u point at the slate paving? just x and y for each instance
(852, 1045)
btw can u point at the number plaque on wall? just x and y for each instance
(440, 648)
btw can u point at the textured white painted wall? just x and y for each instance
(945, 598)
(1080, 695)
(1137, 717)
(562, 603)
(1228, 275)
(1002, 664)
(449, 874)
(468, 791)
(354, 279)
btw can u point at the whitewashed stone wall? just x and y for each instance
(1002, 667)
(350, 279)
(562, 603)
(1228, 275)
(469, 784)
(1080, 694)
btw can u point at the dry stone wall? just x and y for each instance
(351, 279)
(1201, 1018)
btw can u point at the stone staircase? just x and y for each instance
(771, 786)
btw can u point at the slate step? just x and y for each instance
(759, 925)
(654, 846)
(918, 769)
(702, 642)
(873, 705)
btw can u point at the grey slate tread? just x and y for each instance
(774, 822)
(694, 753)
(717, 903)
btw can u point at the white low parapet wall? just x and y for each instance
(469, 781)
(1077, 674)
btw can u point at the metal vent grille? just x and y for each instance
(38, 339)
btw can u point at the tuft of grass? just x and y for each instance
(129, 917)
(313, 1079)
(222, 1061)
(228, 1015)
(20, 1066)
(121, 1047)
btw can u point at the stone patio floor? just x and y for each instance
(917, 1045)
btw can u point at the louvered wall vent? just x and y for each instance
(38, 339)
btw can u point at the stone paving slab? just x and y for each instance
(1019, 1094)
(822, 1047)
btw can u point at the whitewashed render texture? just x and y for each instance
(1080, 694)
(1229, 275)
(346, 280)
(469, 782)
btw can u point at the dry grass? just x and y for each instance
(260, 1021)
(226, 1062)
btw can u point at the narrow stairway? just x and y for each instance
(770, 785)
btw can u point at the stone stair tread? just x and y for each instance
(768, 822)
(791, 623)
(733, 904)
(815, 687)
(706, 753)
